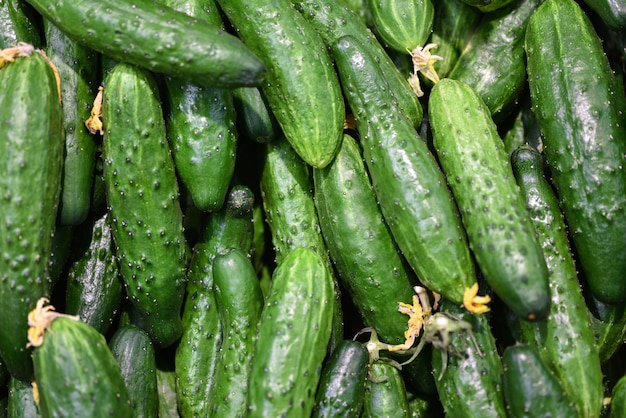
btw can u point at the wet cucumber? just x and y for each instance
(494, 214)
(255, 120)
(31, 159)
(21, 400)
(142, 195)
(612, 12)
(488, 5)
(19, 22)
(385, 393)
(584, 141)
(402, 24)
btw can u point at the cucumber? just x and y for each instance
(294, 331)
(385, 393)
(197, 353)
(611, 12)
(565, 340)
(142, 195)
(367, 260)
(409, 185)
(78, 71)
(478, 170)
(609, 327)
(333, 20)
(255, 120)
(301, 85)
(166, 381)
(20, 23)
(618, 399)
(200, 125)
(488, 5)
(493, 62)
(240, 303)
(530, 389)
(341, 388)
(134, 352)
(31, 160)
(21, 401)
(470, 385)
(571, 83)
(94, 288)
(403, 25)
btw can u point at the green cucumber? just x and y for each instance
(494, 214)
(565, 340)
(333, 20)
(488, 5)
(609, 327)
(493, 62)
(301, 84)
(21, 402)
(294, 332)
(240, 303)
(62, 241)
(76, 373)
(134, 352)
(197, 354)
(255, 120)
(409, 185)
(618, 399)
(94, 288)
(142, 195)
(341, 388)
(470, 385)
(157, 38)
(166, 381)
(20, 23)
(403, 25)
(385, 392)
(78, 71)
(530, 388)
(31, 160)
(584, 141)
(612, 12)
(367, 260)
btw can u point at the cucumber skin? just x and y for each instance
(362, 249)
(77, 375)
(488, 5)
(19, 23)
(612, 12)
(584, 140)
(31, 160)
(565, 340)
(385, 396)
(142, 195)
(21, 401)
(294, 331)
(410, 187)
(618, 399)
(255, 120)
(158, 39)
(301, 85)
(499, 229)
(402, 24)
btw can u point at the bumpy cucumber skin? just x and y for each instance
(301, 85)
(77, 375)
(582, 113)
(31, 159)
(197, 353)
(402, 24)
(470, 386)
(385, 393)
(159, 39)
(341, 388)
(142, 195)
(368, 262)
(479, 173)
(565, 340)
(493, 62)
(411, 189)
(94, 288)
(333, 20)
(21, 400)
(240, 303)
(294, 331)
(530, 388)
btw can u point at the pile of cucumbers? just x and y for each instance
(294, 208)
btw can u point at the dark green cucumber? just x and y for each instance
(493, 62)
(200, 125)
(166, 381)
(470, 386)
(612, 12)
(197, 353)
(157, 38)
(565, 340)
(362, 249)
(301, 84)
(494, 214)
(255, 120)
(411, 189)
(403, 25)
(142, 195)
(294, 332)
(31, 159)
(341, 388)
(582, 113)
(77, 375)
(134, 352)
(609, 327)
(618, 399)
(240, 303)
(78, 70)
(19, 22)
(385, 393)
(60, 252)
(488, 5)
(21, 400)
(94, 288)
(333, 20)
(530, 388)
